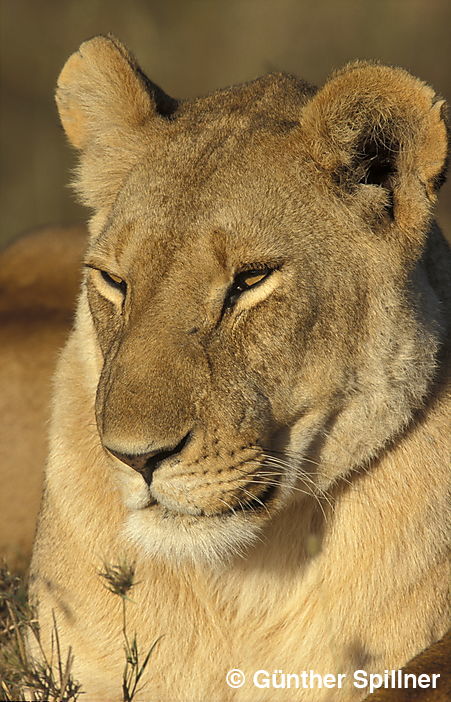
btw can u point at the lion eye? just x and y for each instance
(244, 281)
(114, 281)
(247, 279)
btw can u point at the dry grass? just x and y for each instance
(119, 580)
(51, 679)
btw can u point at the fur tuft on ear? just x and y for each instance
(100, 90)
(373, 125)
(106, 104)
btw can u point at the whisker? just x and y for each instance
(230, 509)
(300, 475)
(256, 499)
(304, 477)
(302, 492)
(290, 452)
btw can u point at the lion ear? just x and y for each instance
(105, 103)
(381, 135)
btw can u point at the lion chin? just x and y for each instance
(162, 529)
(183, 538)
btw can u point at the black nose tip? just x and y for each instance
(147, 463)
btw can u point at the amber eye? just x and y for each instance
(244, 281)
(248, 279)
(114, 281)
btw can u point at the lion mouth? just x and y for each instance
(252, 504)
(255, 504)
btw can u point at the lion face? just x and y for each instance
(249, 291)
(220, 380)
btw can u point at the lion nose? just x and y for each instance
(147, 463)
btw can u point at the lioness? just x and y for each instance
(251, 406)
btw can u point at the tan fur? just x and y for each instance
(327, 380)
(39, 279)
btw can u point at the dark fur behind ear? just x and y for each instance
(374, 163)
(376, 126)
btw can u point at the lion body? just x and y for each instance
(39, 280)
(281, 608)
(327, 384)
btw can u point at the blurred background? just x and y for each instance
(189, 47)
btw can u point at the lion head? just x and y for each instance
(253, 294)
